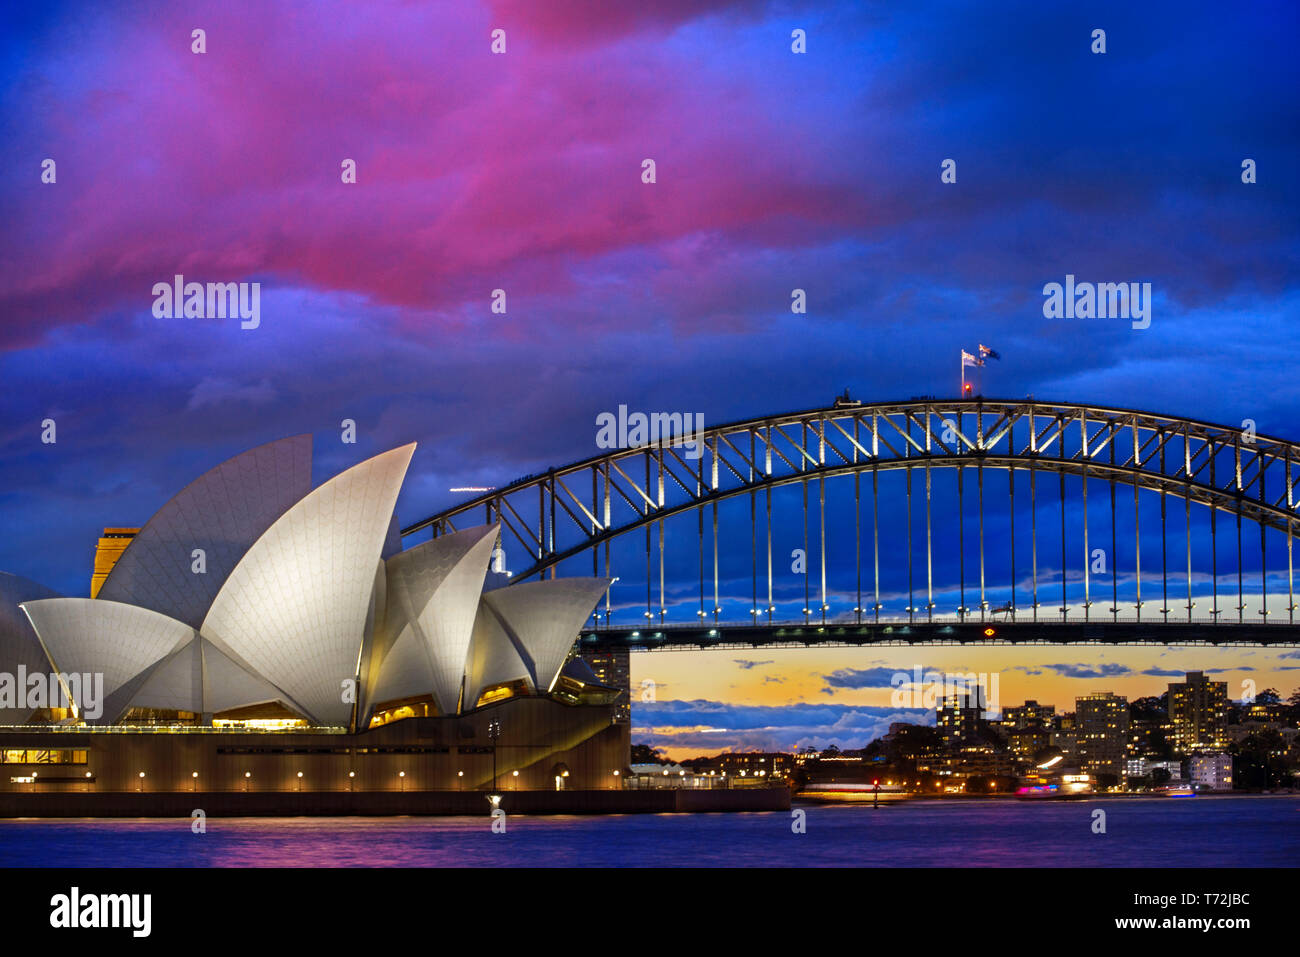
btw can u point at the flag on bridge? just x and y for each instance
(986, 352)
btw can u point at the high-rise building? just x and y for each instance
(614, 671)
(111, 546)
(1030, 715)
(1198, 712)
(958, 717)
(1101, 728)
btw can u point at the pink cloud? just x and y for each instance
(475, 171)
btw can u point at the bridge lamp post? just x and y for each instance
(825, 608)
(613, 581)
(494, 733)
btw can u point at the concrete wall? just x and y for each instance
(536, 734)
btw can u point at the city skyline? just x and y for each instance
(706, 714)
(522, 172)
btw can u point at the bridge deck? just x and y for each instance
(798, 634)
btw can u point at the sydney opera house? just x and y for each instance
(258, 635)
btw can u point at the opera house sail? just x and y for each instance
(259, 634)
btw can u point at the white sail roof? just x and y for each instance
(90, 635)
(200, 678)
(433, 593)
(295, 607)
(544, 618)
(493, 657)
(223, 512)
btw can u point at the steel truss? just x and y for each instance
(583, 507)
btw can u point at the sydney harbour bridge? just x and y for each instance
(929, 520)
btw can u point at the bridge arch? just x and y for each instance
(581, 508)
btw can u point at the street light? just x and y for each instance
(494, 733)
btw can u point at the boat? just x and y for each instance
(1038, 792)
(1179, 791)
(836, 792)
(1054, 792)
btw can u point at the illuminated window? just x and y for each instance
(42, 756)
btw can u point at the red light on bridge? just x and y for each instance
(989, 632)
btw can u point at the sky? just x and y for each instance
(523, 171)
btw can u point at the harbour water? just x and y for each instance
(1253, 831)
